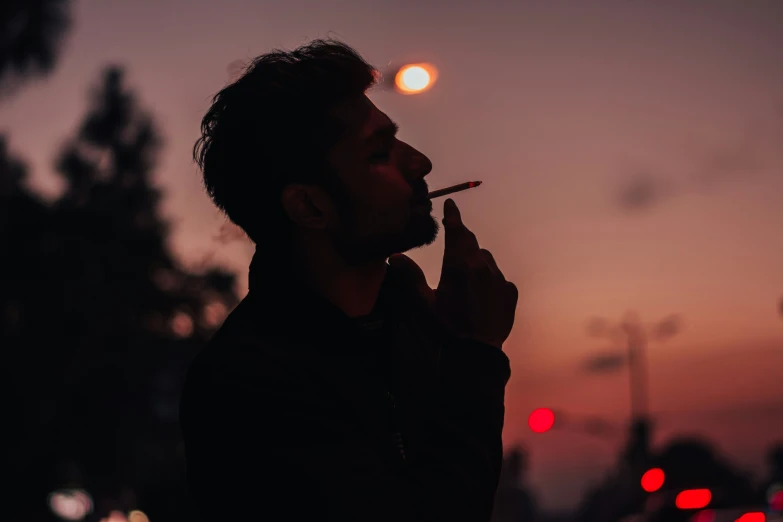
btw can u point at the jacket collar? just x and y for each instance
(285, 304)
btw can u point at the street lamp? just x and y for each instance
(415, 78)
(636, 335)
(410, 78)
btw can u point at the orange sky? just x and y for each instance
(556, 106)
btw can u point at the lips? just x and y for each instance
(426, 203)
(421, 197)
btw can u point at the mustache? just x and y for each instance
(420, 192)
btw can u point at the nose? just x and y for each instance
(419, 165)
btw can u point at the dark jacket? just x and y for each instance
(296, 412)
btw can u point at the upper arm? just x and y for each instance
(241, 452)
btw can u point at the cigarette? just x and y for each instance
(450, 190)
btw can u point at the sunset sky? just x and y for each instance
(632, 158)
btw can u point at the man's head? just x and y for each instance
(294, 149)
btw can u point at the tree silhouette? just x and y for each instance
(693, 463)
(688, 463)
(514, 502)
(31, 33)
(100, 317)
(775, 462)
(23, 218)
(15, 200)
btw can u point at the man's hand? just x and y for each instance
(473, 299)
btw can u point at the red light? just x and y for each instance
(652, 480)
(756, 516)
(693, 498)
(707, 515)
(776, 501)
(541, 420)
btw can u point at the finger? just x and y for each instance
(477, 267)
(513, 292)
(451, 213)
(410, 276)
(486, 255)
(459, 241)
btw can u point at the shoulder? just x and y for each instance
(231, 347)
(242, 360)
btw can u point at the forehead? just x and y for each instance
(360, 118)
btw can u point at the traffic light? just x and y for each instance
(775, 497)
(705, 515)
(541, 420)
(693, 499)
(653, 479)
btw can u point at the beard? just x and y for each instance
(359, 246)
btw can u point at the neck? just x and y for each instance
(354, 289)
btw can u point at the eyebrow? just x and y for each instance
(387, 131)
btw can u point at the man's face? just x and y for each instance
(385, 209)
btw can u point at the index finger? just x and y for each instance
(460, 241)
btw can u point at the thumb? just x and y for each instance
(410, 276)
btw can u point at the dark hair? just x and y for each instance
(272, 127)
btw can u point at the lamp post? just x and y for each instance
(635, 334)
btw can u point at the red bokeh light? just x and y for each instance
(693, 498)
(707, 515)
(756, 516)
(652, 480)
(541, 420)
(776, 501)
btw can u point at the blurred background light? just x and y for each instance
(775, 497)
(652, 480)
(541, 420)
(693, 499)
(115, 516)
(138, 516)
(707, 515)
(415, 78)
(70, 504)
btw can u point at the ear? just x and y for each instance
(307, 205)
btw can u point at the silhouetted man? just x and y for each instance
(342, 387)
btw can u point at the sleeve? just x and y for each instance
(466, 449)
(473, 378)
(261, 451)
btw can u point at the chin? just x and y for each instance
(430, 231)
(420, 231)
